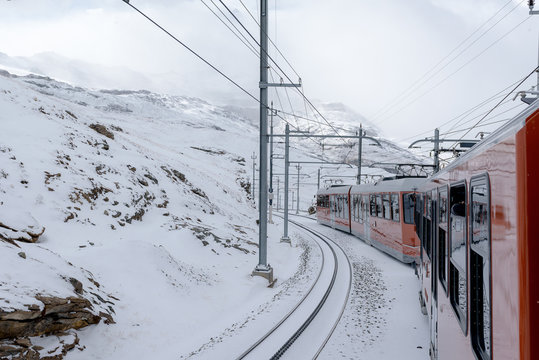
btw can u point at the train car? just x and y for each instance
(382, 214)
(480, 247)
(333, 207)
(372, 212)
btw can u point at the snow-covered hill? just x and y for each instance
(145, 200)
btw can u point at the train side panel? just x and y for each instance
(528, 237)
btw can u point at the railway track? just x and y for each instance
(305, 330)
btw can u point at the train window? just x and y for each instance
(387, 206)
(379, 208)
(373, 205)
(358, 208)
(408, 208)
(359, 204)
(428, 224)
(361, 209)
(395, 216)
(458, 290)
(480, 304)
(442, 237)
(346, 208)
(353, 207)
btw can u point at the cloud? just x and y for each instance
(362, 53)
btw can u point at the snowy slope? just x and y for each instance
(147, 195)
(157, 214)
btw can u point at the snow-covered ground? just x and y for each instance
(145, 200)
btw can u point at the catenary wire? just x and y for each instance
(213, 67)
(465, 113)
(270, 40)
(240, 36)
(455, 72)
(420, 82)
(196, 54)
(499, 103)
(277, 65)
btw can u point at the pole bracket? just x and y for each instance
(265, 85)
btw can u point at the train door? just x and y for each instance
(434, 278)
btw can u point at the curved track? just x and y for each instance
(306, 329)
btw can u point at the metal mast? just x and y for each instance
(360, 149)
(263, 269)
(297, 192)
(285, 237)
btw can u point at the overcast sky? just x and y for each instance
(363, 53)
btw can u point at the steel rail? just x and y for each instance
(272, 330)
(316, 233)
(331, 244)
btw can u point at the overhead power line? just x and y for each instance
(240, 36)
(213, 67)
(420, 81)
(270, 40)
(498, 104)
(456, 71)
(464, 114)
(194, 53)
(287, 77)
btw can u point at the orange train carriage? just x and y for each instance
(476, 223)
(372, 212)
(479, 262)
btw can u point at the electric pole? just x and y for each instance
(360, 146)
(254, 173)
(263, 268)
(436, 150)
(278, 196)
(270, 194)
(297, 192)
(285, 237)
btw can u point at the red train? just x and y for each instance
(373, 213)
(476, 224)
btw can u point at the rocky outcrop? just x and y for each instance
(23, 227)
(56, 316)
(24, 349)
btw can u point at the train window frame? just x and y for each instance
(408, 207)
(379, 206)
(427, 227)
(442, 221)
(476, 272)
(372, 205)
(358, 210)
(395, 207)
(346, 207)
(454, 268)
(386, 205)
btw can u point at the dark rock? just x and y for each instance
(77, 285)
(22, 254)
(102, 130)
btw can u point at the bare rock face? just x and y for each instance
(19, 227)
(24, 349)
(57, 316)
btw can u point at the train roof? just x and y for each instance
(510, 128)
(391, 185)
(335, 189)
